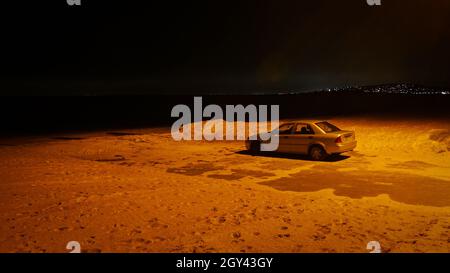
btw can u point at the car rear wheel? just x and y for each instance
(255, 146)
(317, 153)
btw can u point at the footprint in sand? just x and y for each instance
(236, 235)
(285, 235)
(324, 229)
(318, 237)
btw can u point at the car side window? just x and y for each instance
(303, 129)
(285, 129)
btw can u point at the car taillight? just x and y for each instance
(338, 140)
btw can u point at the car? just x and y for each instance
(316, 138)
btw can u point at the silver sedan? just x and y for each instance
(315, 138)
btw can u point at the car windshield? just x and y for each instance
(327, 127)
(285, 128)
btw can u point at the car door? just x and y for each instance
(284, 132)
(302, 135)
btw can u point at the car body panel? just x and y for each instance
(306, 133)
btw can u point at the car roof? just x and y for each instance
(303, 121)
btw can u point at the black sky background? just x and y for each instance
(170, 47)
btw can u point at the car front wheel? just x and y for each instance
(317, 153)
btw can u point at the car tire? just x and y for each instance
(317, 153)
(255, 147)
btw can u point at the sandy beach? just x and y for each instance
(140, 191)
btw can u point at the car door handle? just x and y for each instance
(310, 137)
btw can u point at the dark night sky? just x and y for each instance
(205, 46)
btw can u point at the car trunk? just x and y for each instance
(347, 136)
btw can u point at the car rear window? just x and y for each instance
(327, 127)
